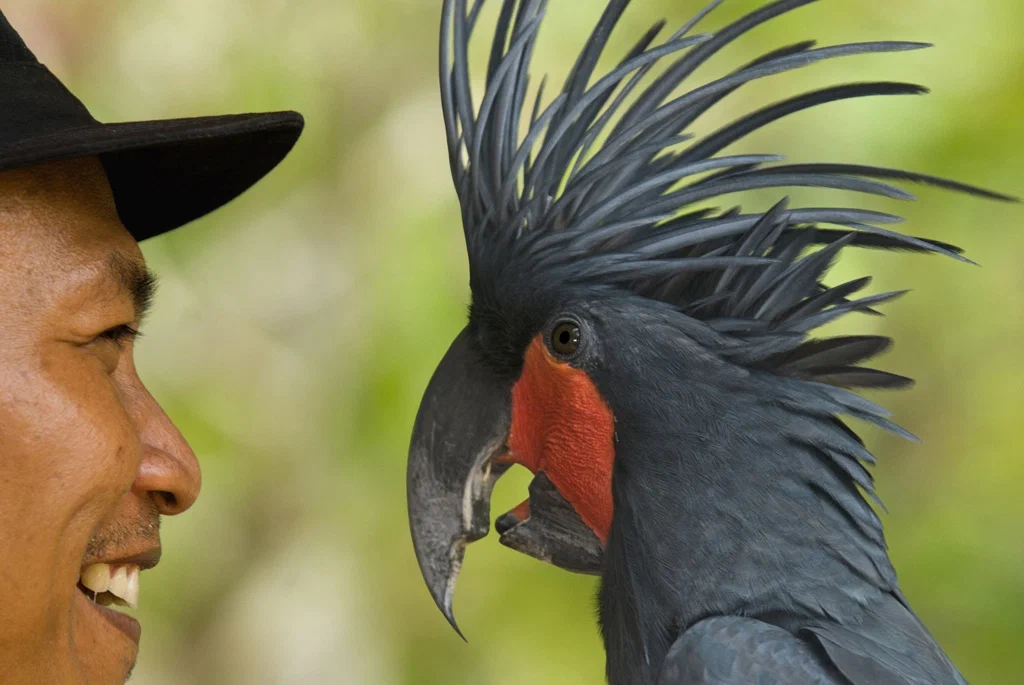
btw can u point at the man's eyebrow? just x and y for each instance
(136, 280)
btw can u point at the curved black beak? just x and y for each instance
(461, 426)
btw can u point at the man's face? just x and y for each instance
(88, 460)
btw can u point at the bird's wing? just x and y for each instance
(730, 650)
(887, 646)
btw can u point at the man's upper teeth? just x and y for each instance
(122, 581)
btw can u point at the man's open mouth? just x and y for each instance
(108, 584)
(104, 586)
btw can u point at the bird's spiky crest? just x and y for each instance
(549, 203)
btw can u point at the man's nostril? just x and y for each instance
(168, 499)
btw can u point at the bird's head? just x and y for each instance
(599, 271)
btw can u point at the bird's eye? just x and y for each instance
(565, 338)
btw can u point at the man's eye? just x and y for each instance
(119, 335)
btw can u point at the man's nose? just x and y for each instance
(169, 471)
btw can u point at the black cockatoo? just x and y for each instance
(649, 357)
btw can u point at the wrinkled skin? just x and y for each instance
(88, 459)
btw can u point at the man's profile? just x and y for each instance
(88, 459)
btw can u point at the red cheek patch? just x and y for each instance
(562, 426)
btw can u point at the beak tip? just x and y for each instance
(445, 599)
(440, 576)
(450, 615)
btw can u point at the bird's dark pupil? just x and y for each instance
(565, 338)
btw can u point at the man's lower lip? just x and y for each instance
(123, 622)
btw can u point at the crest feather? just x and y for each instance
(541, 198)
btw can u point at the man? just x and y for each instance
(88, 460)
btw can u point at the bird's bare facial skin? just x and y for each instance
(88, 460)
(562, 427)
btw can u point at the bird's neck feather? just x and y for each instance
(722, 506)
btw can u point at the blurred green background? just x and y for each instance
(296, 329)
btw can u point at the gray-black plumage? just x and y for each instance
(736, 495)
(743, 548)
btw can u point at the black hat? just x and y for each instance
(163, 173)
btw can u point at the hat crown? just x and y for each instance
(163, 174)
(35, 102)
(12, 47)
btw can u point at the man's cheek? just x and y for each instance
(92, 452)
(105, 454)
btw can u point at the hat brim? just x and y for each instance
(167, 173)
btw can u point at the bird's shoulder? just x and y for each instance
(886, 644)
(733, 650)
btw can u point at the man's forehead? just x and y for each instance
(114, 272)
(127, 269)
(70, 247)
(63, 241)
(64, 209)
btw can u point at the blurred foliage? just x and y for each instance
(296, 329)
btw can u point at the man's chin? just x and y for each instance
(105, 641)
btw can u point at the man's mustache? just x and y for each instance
(125, 532)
